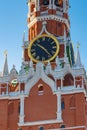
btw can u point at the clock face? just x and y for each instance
(43, 48)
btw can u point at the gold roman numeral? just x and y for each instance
(38, 57)
(53, 52)
(48, 39)
(54, 47)
(38, 41)
(34, 54)
(43, 38)
(34, 45)
(52, 42)
(43, 58)
(49, 56)
(32, 50)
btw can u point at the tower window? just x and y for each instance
(40, 89)
(45, 2)
(63, 105)
(41, 128)
(19, 128)
(56, 2)
(62, 126)
(19, 108)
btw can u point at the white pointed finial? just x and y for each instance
(57, 63)
(5, 53)
(24, 36)
(78, 45)
(78, 58)
(5, 68)
(31, 64)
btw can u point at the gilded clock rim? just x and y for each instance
(50, 59)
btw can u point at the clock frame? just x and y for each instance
(43, 48)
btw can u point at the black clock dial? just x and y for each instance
(43, 48)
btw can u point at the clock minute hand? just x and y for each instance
(43, 49)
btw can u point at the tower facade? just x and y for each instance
(50, 90)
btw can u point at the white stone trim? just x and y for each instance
(44, 29)
(49, 17)
(64, 6)
(70, 128)
(36, 78)
(72, 90)
(64, 91)
(21, 117)
(59, 112)
(39, 122)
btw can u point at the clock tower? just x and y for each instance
(51, 18)
(50, 90)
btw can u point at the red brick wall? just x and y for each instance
(13, 114)
(40, 107)
(3, 114)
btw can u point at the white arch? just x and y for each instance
(39, 75)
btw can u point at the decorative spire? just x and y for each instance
(24, 37)
(5, 69)
(78, 59)
(58, 67)
(48, 68)
(31, 64)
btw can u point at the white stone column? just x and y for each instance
(21, 118)
(65, 41)
(55, 85)
(29, 8)
(59, 111)
(64, 6)
(50, 4)
(7, 89)
(54, 7)
(19, 87)
(61, 82)
(74, 82)
(38, 5)
(35, 9)
(82, 83)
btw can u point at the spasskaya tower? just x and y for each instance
(49, 18)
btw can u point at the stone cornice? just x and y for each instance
(49, 17)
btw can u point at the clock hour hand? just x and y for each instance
(43, 49)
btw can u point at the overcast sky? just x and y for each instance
(13, 22)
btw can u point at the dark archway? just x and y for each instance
(68, 80)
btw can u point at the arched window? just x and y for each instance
(40, 89)
(19, 128)
(62, 126)
(72, 102)
(62, 104)
(19, 108)
(45, 2)
(56, 2)
(68, 80)
(41, 128)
